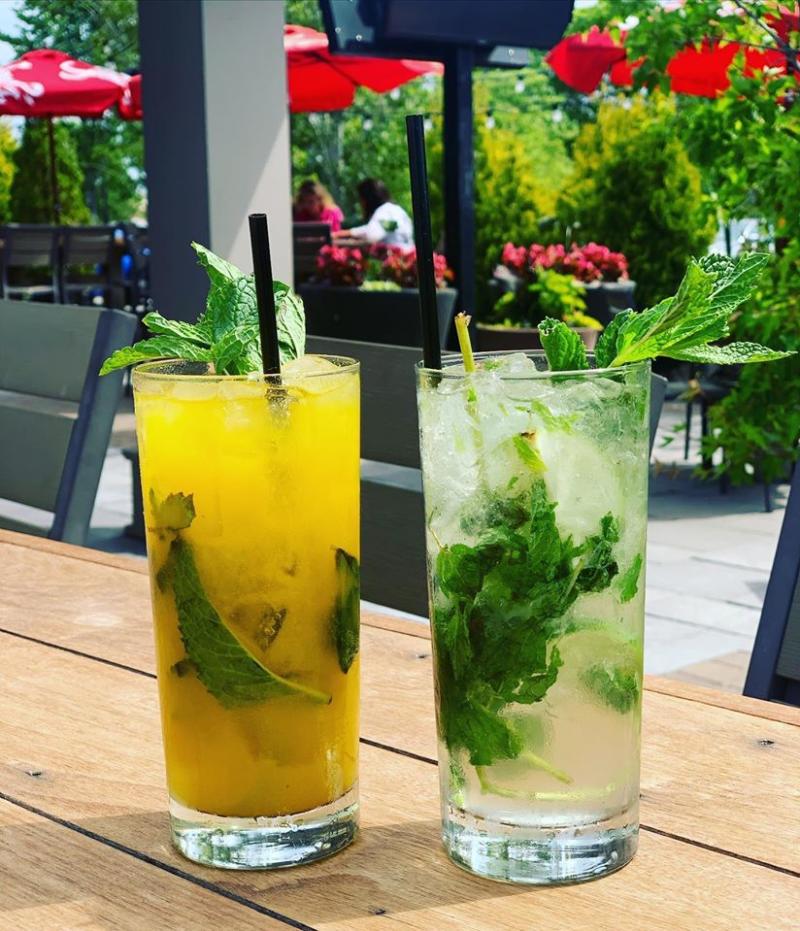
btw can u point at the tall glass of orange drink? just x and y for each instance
(251, 498)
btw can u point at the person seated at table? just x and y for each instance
(314, 204)
(385, 221)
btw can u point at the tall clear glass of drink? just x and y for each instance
(535, 489)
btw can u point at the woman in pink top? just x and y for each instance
(313, 204)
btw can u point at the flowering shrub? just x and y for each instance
(551, 280)
(343, 267)
(592, 262)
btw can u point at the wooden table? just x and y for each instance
(82, 793)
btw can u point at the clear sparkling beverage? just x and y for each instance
(251, 501)
(536, 510)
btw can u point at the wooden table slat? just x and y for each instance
(54, 877)
(92, 732)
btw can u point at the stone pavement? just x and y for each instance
(709, 558)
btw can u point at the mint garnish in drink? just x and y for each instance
(495, 605)
(230, 672)
(225, 667)
(227, 333)
(682, 327)
(346, 615)
(617, 686)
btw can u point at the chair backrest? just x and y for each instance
(56, 413)
(29, 246)
(393, 569)
(774, 672)
(308, 239)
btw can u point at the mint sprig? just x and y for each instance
(679, 327)
(223, 664)
(227, 333)
(496, 611)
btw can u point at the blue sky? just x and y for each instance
(8, 23)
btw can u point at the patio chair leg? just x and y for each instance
(707, 463)
(688, 431)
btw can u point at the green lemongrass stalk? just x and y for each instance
(464, 343)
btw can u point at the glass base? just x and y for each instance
(538, 856)
(265, 843)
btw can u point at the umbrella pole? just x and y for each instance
(53, 172)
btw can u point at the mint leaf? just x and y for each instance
(175, 512)
(238, 350)
(730, 354)
(563, 347)
(345, 618)
(549, 420)
(159, 347)
(225, 666)
(525, 445)
(629, 581)
(496, 610)
(617, 686)
(598, 566)
(193, 332)
(291, 321)
(681, 327)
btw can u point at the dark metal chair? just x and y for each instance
(774, 672)
(308, 239)
(30, 259)
(88, 264)
(56, 413)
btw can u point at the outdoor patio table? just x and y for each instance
(83, 821)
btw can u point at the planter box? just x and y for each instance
(389, 317)
(496, 337)
(605, 299)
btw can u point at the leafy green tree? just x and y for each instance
(635, 190)
(8, 146)
(109, 150)
(746, 143)
(31, 194)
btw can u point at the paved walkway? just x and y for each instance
(709, 558)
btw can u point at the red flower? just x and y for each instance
(337, 265)
(343, 267)
(593, 262)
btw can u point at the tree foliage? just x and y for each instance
(746, 143)
(31, 192)
(109, 150)
(635, 190)
(8, 146)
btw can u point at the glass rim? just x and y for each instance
(151, 371)
(422, 369)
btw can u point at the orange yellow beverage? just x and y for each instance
(251, 495)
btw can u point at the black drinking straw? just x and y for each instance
(431, 348)
(262, 270)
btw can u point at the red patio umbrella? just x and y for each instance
(319, 80)
(47, 83)
(130, 104)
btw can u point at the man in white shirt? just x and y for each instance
(386, 221)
